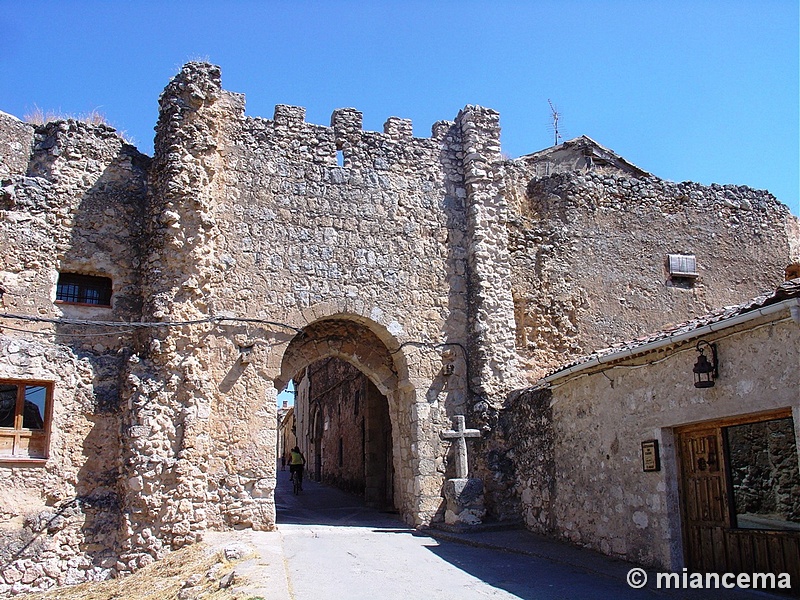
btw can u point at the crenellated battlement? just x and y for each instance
(347, 123)
(344, 142)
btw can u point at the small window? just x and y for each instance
(682, 265)
(25, 409)
(83, 289)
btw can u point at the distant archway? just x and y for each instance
(349, 340)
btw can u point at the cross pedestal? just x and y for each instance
(464, 495)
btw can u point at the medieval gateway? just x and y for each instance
(623, 350)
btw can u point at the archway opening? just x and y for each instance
(342, 421)
(346, 417)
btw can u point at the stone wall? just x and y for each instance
(588, 269)
(16, 140)
(337, 399)
(287, 426)
(243, 252)
(60, 517)
(350, 433)
(168, 385)
(589, 256)
(253, 218)
(71, 202)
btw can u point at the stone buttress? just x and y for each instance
(174, 384)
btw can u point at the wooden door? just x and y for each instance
(704, 499)
(714, 539)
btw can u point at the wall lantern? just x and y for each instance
(705, 373)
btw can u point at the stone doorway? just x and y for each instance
(737, 480)
(354, 412)
(343, 423)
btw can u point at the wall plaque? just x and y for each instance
(650, 458)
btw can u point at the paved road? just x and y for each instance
(329, 546)
(334, 547)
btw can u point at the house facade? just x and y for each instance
(641, 463)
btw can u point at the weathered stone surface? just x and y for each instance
(16, 139)
(579, 458)
(588, 254)
(466, 493)
(465, 504)
(242, 253)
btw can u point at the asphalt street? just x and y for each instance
(329, 545)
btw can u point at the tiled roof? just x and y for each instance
(585, 146)
(788, 290)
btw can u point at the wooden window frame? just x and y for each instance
(757, 417)
(720, 546)
(771, 416)
(720, 425)
(18, 433)
(83, 284)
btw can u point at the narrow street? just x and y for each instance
(335, 547)
(329, 545)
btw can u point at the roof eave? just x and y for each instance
(791, 304)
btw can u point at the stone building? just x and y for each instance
(287, 430)
(151, 308)
(639, 462)
(347, 437)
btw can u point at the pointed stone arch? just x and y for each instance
(350, 340)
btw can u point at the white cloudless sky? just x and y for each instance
(698, 90)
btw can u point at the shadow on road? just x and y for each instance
(528, 577)
(320, 504)
(539, 568)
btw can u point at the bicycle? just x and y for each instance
(297, 481)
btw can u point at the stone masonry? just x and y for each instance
(242, 253)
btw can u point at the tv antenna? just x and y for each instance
(554, 116)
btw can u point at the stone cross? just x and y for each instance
(460, 434)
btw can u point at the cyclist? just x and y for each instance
(296, 463)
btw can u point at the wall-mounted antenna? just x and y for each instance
(554, 116)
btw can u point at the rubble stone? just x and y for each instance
(243, 252)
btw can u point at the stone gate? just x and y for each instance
(158, 305)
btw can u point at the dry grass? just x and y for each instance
(38, 116)
(162, 580)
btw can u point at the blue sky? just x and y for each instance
(694, 90)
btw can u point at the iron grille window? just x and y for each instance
(83, 289)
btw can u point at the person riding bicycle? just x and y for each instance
(296, 463)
